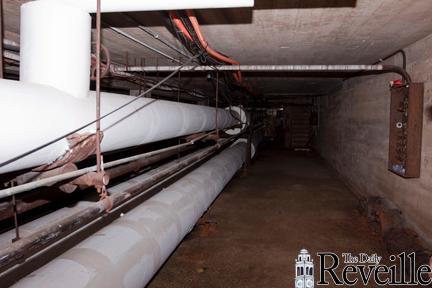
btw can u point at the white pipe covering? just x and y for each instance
(55, 64)
(139, 5)
(55, 46)
(33, 115)
(130, 251)
(256, 141)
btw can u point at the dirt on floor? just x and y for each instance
(253, 232)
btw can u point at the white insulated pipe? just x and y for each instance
(36, 114)
(256, 140)
(140, 5)
(55, 46)
(53, 95)
(130, 251)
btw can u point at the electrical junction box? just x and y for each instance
(406, 125)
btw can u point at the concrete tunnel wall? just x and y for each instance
(354, 137)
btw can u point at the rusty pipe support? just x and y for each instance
(96, 179)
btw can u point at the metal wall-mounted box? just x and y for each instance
(406, 125)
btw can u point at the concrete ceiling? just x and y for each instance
(280, 32)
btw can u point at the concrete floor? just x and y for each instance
(255, 229)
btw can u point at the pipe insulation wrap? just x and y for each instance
(55, 46)
(256, 140)
(130, 251)
(137, 5)
(40, 114)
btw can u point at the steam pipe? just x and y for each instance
(255, 68)
(73, 174)
(49, 80)
(143, 238)
(33, 108)
(134, 5)
(274, 68)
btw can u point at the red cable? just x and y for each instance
(211, 51)
(179, 24)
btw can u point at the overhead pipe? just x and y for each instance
(273, 68)
(143, 238)
(136, 5)
(41, 104)
(7, 192)
(40, 114)
(255, 68)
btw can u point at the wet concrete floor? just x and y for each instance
(253, 232)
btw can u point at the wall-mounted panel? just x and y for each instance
(406, 123)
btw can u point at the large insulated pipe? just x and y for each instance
(56, 37)
(37, 114)
(53, 95)
(55, 46)
(137, 5)
(130, 251)
(256, 140)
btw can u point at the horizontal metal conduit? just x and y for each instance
(274, 68)
(254, 68)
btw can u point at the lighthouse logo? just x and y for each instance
(304, 268)
(350, 269)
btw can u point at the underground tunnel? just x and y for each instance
(205, 143)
